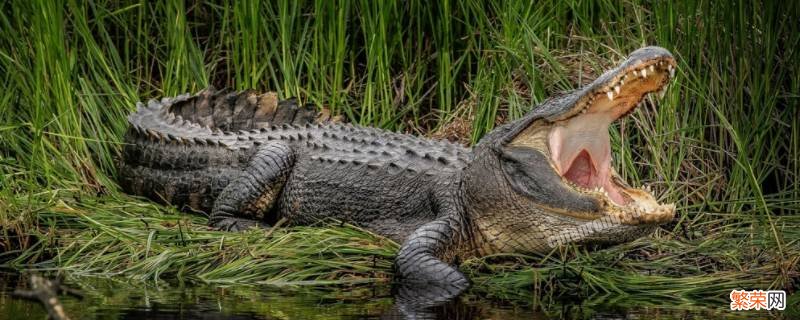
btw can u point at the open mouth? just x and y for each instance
(580, 147)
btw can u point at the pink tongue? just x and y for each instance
(613, 193)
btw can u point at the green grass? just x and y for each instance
(723, 144)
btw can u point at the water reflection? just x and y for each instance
(120, 299)
(428, 301)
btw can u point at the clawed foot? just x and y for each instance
(237, 224)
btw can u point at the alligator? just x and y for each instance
(529, 186)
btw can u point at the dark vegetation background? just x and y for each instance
(724, 143)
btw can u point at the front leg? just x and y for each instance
(426, 255)
(243, 202)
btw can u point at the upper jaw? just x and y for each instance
(653, 64)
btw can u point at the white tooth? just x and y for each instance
(617, 89)
(644, 73)
(662, 93)
(652, 68)
(671, 72)
(610, 95)
(622, 82)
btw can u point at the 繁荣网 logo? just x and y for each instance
(758, 300)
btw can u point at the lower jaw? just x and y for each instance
(610, 190)
(615, 194)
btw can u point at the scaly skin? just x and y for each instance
(390, 183)
(266, 160)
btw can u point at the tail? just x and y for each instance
(174, 151)
(231, 111)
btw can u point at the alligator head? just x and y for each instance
(547, 179)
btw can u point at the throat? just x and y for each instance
(583, 172)
(581, 149)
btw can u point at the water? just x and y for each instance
(119, 299)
